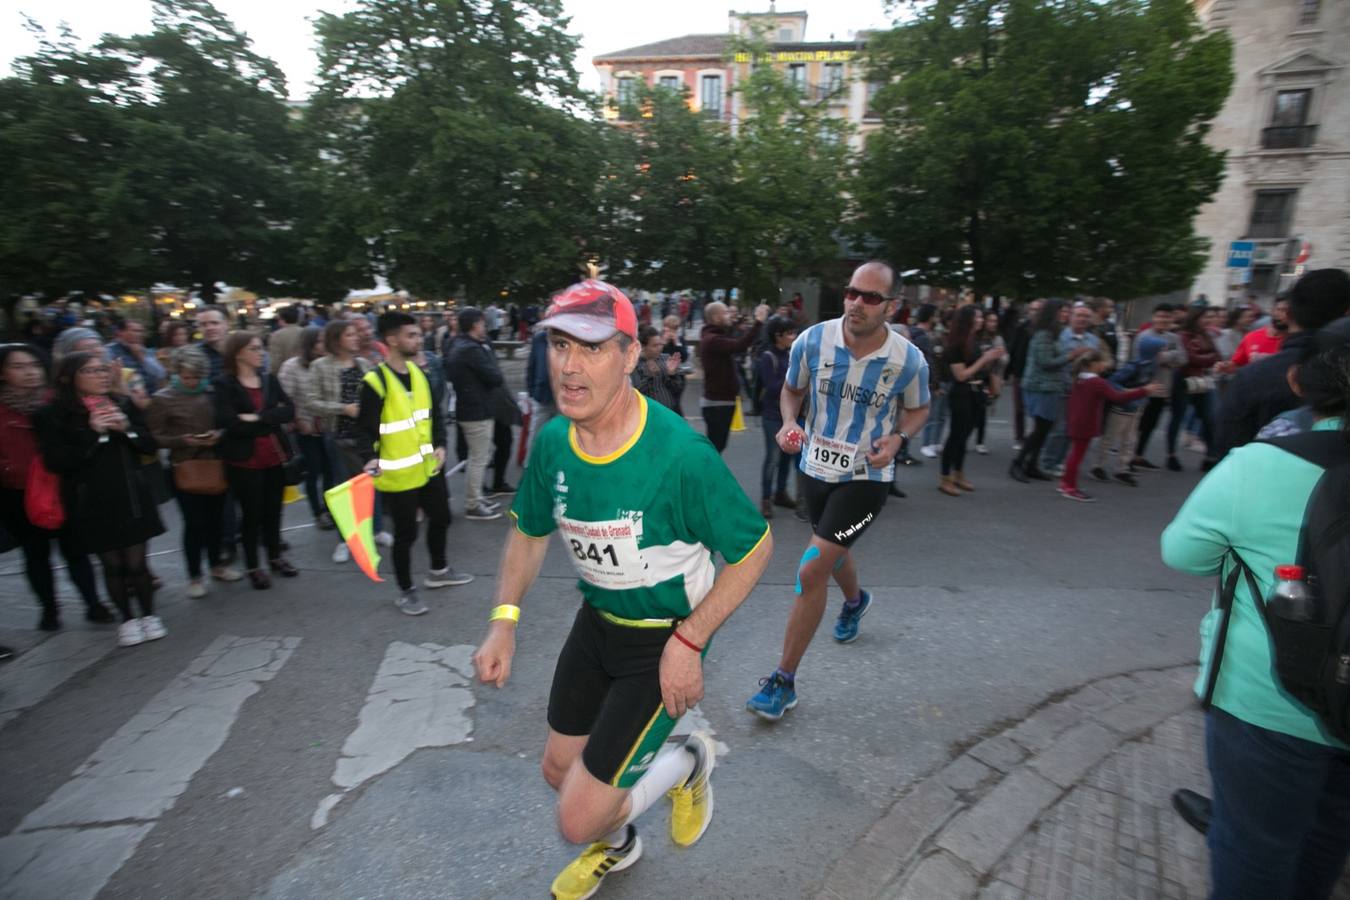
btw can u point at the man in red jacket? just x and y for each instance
(717, 348)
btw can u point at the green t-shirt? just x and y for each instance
(642, 523)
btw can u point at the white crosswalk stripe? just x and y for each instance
(420, 697)
(70, 846)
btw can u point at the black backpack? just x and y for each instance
(1312, 659)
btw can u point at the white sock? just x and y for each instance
(670, 769)
(617, 838)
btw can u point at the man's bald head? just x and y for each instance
(879, 268)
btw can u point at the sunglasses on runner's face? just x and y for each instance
(871, 298)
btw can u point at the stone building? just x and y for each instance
(1286, 127)
(710, 67)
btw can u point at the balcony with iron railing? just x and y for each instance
(1288, 137)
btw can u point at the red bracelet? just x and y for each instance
(688, 643)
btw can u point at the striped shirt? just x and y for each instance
(853, 402)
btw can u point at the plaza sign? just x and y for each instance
(790, 56)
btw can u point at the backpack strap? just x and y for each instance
(1326, 449)
(1227, 595)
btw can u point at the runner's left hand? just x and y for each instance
(883, 451)
(681, 678)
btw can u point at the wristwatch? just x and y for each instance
(903, 436)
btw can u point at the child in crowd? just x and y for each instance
(1087, 402)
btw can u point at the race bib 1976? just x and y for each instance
(829, 459)
(606, 553)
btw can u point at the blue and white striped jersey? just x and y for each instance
(853, 402)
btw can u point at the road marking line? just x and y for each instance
(420, 697)
(32, 677)
(89, 827)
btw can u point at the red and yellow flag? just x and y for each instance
(352, 505)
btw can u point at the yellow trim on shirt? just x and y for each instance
(627, 445)
(767, 529)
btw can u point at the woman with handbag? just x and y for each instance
(182, 418)
(23, 389)
(94, 440)
(334, 392)
(1194, 388)
(251, 407)
(295, 377)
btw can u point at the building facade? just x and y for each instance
(710, 67)
(1286, 128)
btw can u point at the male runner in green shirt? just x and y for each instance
(642, 545)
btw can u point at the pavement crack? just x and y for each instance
(89, 826)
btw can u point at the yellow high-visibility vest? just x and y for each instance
(407, 458)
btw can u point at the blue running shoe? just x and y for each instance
(846, 629)
(775, 697)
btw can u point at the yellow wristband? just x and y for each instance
(505, 611)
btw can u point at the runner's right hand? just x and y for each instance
(790, 438)
(492, 659)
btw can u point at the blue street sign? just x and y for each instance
(1240, 254)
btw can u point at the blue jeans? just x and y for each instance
(1057, 447)
(776, 462)
(937, 417)
(1281, 823)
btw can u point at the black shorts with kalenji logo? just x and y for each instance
(841, 511)
(607, 686)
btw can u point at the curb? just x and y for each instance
(946, 835)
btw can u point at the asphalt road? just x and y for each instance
(311, 742)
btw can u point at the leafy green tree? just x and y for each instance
(66, 191)
(1033, 146)
(460, 120)
(667, 197)
(792, 162)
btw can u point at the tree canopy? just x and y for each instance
(1037, 147)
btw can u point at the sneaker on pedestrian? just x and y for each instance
(325, 521)
(766, 508)
(1140, 463)
(692, 802)
(1127, 478)
(410, 604)
(929, 451)
(782, 499)
(776, 696)
(1055, 471)
(846, 627)
(1173, 464)
(1017, 446)
(446, 577)
(130, 633)
(342, 553)
(1076, 494)
(98, 614)
(982, 449)
(482, 512)
(800, 513)
(226, 573)
(153, 628)
(1099, 473)
(50, 620)
(196, 589)
(384, 539)
(582, 877)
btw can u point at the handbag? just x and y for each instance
(200, 476)
(293, 466)
(42, 497)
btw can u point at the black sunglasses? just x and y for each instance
(871, 298)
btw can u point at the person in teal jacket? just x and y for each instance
(1280, 826)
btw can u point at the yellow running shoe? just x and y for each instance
(693, 800)
(583, 875)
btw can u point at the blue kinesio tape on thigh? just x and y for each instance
(812, 552)
(839, 563)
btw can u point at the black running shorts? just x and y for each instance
(607, 687)
(840, 512)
